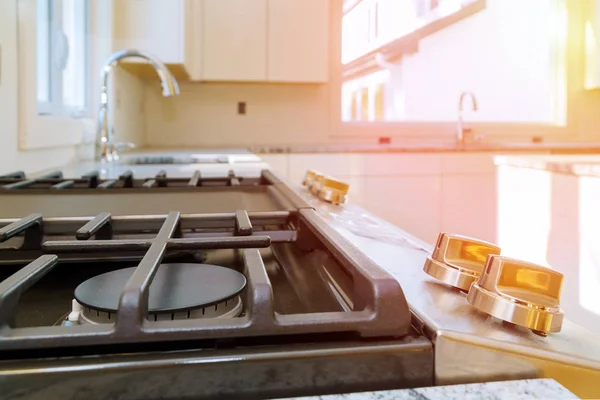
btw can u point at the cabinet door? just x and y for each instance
(279, 163)
(155, 26)
(469, 205)
(411, 202)
(298, 38)
(234, 42)
(337, 164)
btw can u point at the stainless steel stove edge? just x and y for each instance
(267, 372)
(470, 346)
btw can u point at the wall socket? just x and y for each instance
(241, 108)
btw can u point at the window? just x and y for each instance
(62, 57)
(432, 50)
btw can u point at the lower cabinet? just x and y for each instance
(553, 219)
(410, 202)
(423, 194)
(469, 205)
(278, 163)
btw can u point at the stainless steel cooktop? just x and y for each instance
(313, 315)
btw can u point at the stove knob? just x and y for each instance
(315, 184)
(333, 190)
(519, 292)
(458, 260)
(308, 178)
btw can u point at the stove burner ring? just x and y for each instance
(178, 291)
(227, 309)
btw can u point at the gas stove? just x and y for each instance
(184, 288)
(116, 286)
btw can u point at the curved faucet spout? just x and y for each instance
(460, 128)
(106, 149)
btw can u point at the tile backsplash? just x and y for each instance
(208, 115)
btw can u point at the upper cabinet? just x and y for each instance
(298, 40)
(160, 27)
(265, 40)
(234, 46)
(228, 40)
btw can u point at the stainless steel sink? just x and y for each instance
(176, 159)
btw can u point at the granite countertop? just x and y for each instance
(543, 389)
(579, 165)
(433, 147)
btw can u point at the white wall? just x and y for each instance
(206, 115)
(502, 54)
(10, 157)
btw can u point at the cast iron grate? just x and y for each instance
(378, 306)
(92, 180)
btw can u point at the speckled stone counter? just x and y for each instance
(580, 165)
(543, 389)
(432, 147)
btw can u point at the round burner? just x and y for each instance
(178, 291)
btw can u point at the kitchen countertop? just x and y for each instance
(543, 389)
(580, 165)
(434, 147)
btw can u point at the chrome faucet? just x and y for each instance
(460, 128)
(106, 148)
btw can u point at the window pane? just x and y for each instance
(74, 30)
(62, 47)
(43, 26)
(516, 70)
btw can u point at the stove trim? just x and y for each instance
(259, 372)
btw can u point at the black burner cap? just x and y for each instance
(176, 287)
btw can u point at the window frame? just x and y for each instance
(58, 125)
(566, 128)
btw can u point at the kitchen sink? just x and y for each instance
(183, 158)
(170, 159)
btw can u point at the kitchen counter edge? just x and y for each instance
(547, 389)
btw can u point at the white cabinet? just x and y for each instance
(264, 40)
(279, 163)
(469, 195)
(336, 164)
(468, 205)
(423, 193)
(411, 202)
(234, 40)
(155, 26)
(228, 40)
(298, 40)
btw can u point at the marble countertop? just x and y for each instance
(579, 165)
(414, 146)
(543, 389)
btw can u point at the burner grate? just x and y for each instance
(122, 234)
(54, 181)
(377, 306)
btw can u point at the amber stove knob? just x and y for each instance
(458, 260)
(333, 190)
(316, 183)
(309, 177)
(519, 292)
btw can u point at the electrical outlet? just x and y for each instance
(241, 108)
